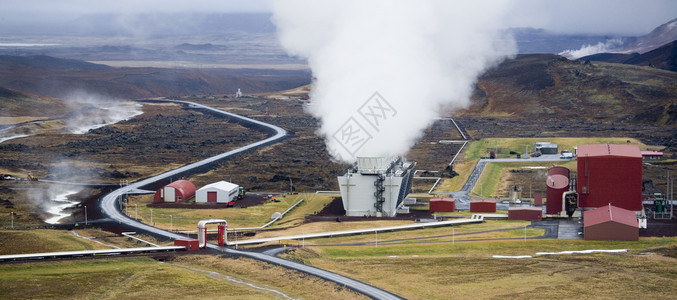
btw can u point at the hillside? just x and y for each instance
(18, 104)
(59, 78)
(549, 95)
(544, 86)
(664, 57)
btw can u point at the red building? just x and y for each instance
(442, 205)
(609, 174)
(483, 206)
(177, 191)
(610, 223)
(525, 213)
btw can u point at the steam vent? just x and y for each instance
(376, 186)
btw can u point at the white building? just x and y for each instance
(376, 186)
(217, 192)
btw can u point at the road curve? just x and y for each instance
(110, 209)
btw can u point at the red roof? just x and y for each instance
(443, 200)
(186, 188)
(609, 213)
(609, 150)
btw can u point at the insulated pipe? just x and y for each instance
(202, 230)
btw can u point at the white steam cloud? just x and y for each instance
(585, 50)
(383, 70)
(91, 111)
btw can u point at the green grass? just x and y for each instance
(253, 216)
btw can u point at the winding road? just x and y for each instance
(111, 209)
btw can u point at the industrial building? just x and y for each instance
(610, 223)
(609, 174)
(376, 186)
(177, 191)
(546, 148)
(525, 213)
(217, 192)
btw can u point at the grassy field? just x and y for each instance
(254, 216)
(467, 270)
(433, 263)
(191, 276)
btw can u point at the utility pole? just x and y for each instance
(85, 214)
(12, 214)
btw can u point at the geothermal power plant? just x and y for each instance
(376, 186)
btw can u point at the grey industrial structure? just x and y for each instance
(376, 186)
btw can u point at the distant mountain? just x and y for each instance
(549, 87)
(531, 40)
(150, 25)
(658, 37)
(48, 62)
(59, 78)
(662, 35)
(664, 57)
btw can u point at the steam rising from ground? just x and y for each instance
(384, 70)
(585, 50)
(93, 111)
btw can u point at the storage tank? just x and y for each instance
(557, 183)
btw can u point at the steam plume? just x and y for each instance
(387, 68)
(91, 111)
(585, 50)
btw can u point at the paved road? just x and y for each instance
(110, 208)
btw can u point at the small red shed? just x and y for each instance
(538, 199)
(442, 205)
(190, 244)
(610, 223)
(177, 191)
(486, 206)
(525, 213)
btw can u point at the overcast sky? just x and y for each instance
(627, 17)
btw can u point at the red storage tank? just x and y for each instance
(483, 206)
(610, 223)
(525, 213)
(190, 244)
(442, 205)
(556, 184)
(609, 174)
(177, 191)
